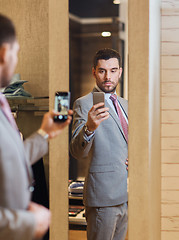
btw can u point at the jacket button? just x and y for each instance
(83, 144)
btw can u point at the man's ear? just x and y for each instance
(120, 72)
(3, 53)
(94, 72)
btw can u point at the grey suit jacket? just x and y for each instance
(15, 180)
(105, 155)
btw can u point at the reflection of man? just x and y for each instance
(99, 137)
(19, 218)
(59, 107)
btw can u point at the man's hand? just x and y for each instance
(96, 115)
(42, 218)
(126, 164)
(53, 128)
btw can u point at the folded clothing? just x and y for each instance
(15, 88)
(76, 187)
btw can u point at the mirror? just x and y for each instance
(92, 25)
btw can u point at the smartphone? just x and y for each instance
(98, 97)
(62, 103)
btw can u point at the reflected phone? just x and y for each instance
(62, 103)
(98, 97)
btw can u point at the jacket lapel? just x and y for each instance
(18, 142)
(116, 119)
(113, 114)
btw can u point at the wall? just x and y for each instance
(144, 120)
(31, 21)
(58, 81)
(170, 119)
(85, 41)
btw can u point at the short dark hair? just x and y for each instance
(7, 30)
(106, 54)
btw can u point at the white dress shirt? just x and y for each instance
(107, 98)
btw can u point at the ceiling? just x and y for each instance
(93, 8)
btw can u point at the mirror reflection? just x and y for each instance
(93, 26)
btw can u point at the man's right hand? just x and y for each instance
(52, 128)
(96, 115)
(42, 218)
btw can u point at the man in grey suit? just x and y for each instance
(99, 137)
(20, 219)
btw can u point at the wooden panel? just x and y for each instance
(170, 143)
(170, 210)
(170, 35)
(170, 103)
(170, 169)
(170, 62)
(168, 235)
(170, 116)
(170, 130)
(170, 223)
(59, 152)
(169, 21)
(170, 48)
(77, 235)
(170, 7)
(170, 89)
(31, 19)
(170, 183)
(144, 103)
(169, 197)
(170, 75)
(170, 156)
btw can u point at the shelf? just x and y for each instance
(34, 104)
(76, 200)
(78, 197)
(78, 220)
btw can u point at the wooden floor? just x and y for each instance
(79, 235)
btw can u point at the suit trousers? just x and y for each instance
(107, 223)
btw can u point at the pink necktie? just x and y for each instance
(4, 105)
(120, 115)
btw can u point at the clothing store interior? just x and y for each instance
(93, 25)
(51, 61)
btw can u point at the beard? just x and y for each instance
(107, 89)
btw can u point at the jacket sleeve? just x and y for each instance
(16, 224)
(79, 145)
(35, 147)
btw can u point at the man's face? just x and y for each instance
(9, 62)
(107, 74)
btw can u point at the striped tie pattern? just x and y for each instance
(120, 115)
(7, 111)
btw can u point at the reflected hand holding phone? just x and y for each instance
(62, 103)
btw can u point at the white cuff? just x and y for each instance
(43, 133)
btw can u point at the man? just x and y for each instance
(20, 219)
(99, 137)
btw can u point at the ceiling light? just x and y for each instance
(116, 1)
(106, 34)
